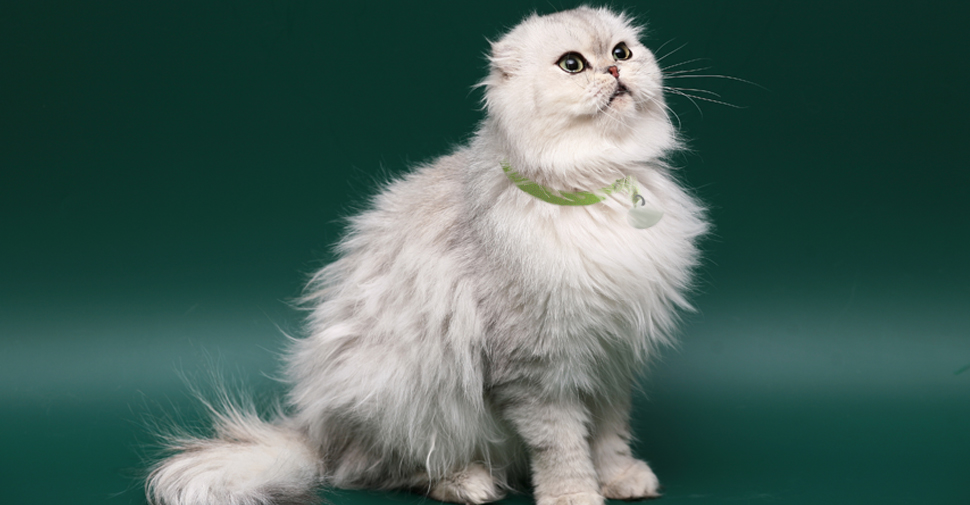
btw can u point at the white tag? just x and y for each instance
(643, 217)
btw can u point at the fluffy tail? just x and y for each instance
(248, 462)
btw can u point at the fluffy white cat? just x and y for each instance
(474, 334)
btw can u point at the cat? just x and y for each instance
(476, 331)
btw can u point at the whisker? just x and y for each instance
(718, 77)
(682, 63)
(681, 72)
(662, 46)
(695, 90)
(666, 107)
(692, 97)
(671, 52)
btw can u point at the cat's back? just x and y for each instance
(417, 210)
(395, 322)
(401, 274)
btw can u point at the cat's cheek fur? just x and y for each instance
(469, 336)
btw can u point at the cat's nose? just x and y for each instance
(615, 72)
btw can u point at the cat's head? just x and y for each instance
(577, 88)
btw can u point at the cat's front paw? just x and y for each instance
(473, 485)
(636, 482)
(572, 499)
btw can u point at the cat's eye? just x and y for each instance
(621, 52)
(572, 63)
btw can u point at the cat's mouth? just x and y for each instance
(620, 90)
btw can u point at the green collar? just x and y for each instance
(639, 216)
(627, 184)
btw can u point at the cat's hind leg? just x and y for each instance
(474, 484)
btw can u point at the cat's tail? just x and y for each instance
(249, 461)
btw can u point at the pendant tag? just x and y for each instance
(640, 216)
(643, 217)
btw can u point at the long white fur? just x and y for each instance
(470, 335)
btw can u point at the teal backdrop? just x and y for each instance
(171, 171)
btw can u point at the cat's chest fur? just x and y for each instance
(583, 291)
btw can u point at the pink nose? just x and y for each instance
(614, 71)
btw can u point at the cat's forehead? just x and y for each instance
(589, 29)
(584, 29)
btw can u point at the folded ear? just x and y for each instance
(504, 58)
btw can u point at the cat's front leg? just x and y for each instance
(621, 476)
(556, 435)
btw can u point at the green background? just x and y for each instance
(171, 171)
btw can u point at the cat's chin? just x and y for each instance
(621, 133)
(621, 93)
(620, 109)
